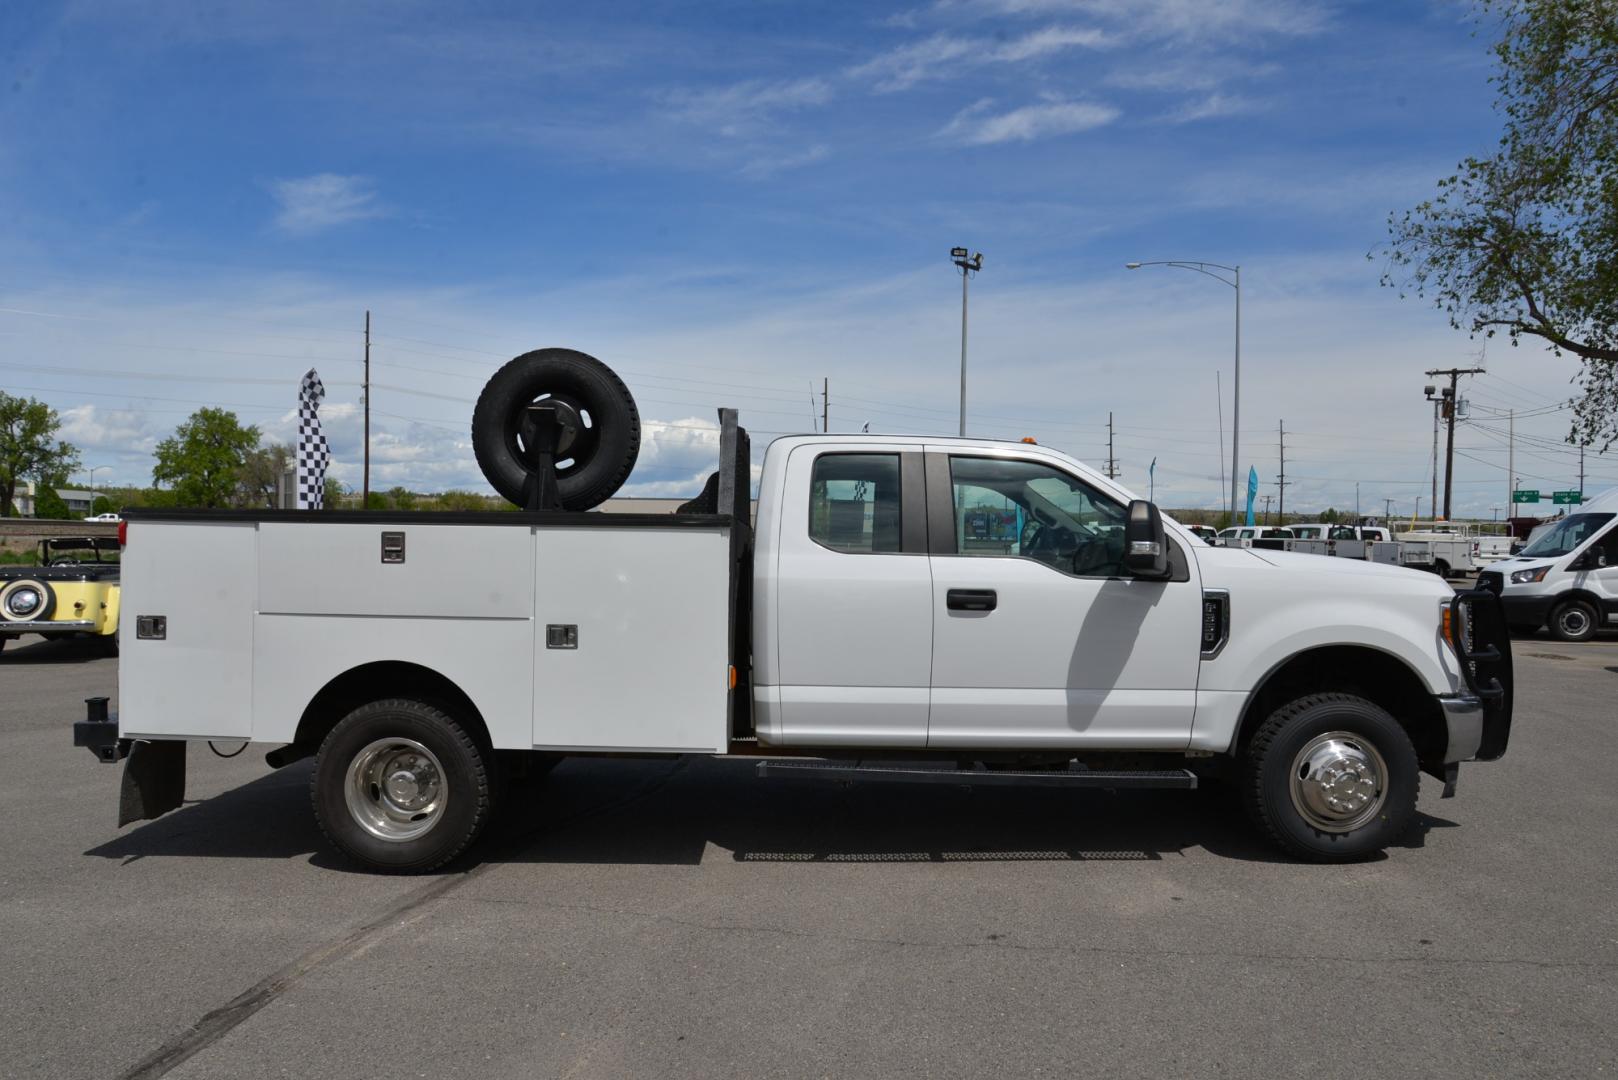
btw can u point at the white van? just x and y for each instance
(1566, 577)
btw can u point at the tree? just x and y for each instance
(48, 504)
(29, 449)
(334, 494)
(203, 460)
(260, 470)
(102, 505)
(402, 498)
(1525, 240)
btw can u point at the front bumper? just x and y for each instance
(1463, 720)
(1527, 610)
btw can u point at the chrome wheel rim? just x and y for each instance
(396, 789)
(1338, 782)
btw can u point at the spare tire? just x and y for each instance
(601, 438)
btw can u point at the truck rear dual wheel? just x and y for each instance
(601, 426)
(1332, 778)
(401, 786)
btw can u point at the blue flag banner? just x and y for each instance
(1252, 490)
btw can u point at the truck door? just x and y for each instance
(1041, 639)
(855, 600)
(1601, 575)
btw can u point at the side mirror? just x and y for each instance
(1146, 549)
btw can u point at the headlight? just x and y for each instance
(1526, 577)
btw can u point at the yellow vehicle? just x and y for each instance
(73, 590)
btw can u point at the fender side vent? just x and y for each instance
(1215, 621)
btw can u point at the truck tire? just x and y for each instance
(598, 453)
(400, 786)
(1331, 778)
(1573, 620)
(1441, 568)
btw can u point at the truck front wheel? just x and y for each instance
(1573, 620)
(400, 786)
(1331, 778)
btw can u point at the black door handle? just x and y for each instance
(972, 600)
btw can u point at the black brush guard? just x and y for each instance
(1484, 646)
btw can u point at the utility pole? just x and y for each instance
(1511, 456)
(967, 267)
(1281, 484)
(365, 483)
(1449, 414)
(1356, 502)
(825, 404)
(1112, 462)
(1267, 499)
(1581, 474)
(1387, 511)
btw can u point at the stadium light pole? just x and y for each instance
(967, 266)
(1235, 282)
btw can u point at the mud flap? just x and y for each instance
(154, 780)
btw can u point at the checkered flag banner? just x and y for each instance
(312, 453)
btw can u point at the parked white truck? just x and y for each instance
(909, 609)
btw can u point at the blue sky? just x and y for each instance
(732, 202)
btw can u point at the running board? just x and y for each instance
(859, 772)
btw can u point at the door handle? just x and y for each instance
(972, 600)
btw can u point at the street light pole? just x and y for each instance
(968, 267)
(1235, 282)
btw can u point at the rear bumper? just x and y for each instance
(50, 626)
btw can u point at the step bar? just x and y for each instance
(863, 772)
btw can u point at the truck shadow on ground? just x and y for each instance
(674, 812)
(32, 649)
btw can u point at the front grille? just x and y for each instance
(1493, 581)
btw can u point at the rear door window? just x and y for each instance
(854, 503)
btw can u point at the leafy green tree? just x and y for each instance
(102, 505)
(1524, 241)
(260, 470)
(29, 449)
(335, 494)
(202, 462)
(48, 504)
(402, 498)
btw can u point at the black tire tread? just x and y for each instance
(1253, 780)
(1593, 619)
(480, 770)
(605, 486)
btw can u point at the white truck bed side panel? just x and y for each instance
(487, 658)
(651, 669)
(197, 681)
(455, 571)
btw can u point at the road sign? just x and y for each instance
(1571, 497)
(1524, 496)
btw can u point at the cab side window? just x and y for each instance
(1609, 544)
(854, 502)
(1005, 507)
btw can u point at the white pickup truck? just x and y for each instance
(909, 609)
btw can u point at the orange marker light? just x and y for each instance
(1029, 439)
(733, 676)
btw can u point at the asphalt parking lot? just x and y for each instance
(683, 918)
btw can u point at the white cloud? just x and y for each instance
(94, 427)
(978, 125)
(766, 166)
(315, 203)
(1200, 20)
(746, 106)
(938, 56)
(1212, 107)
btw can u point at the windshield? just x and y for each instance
(1566, 535)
